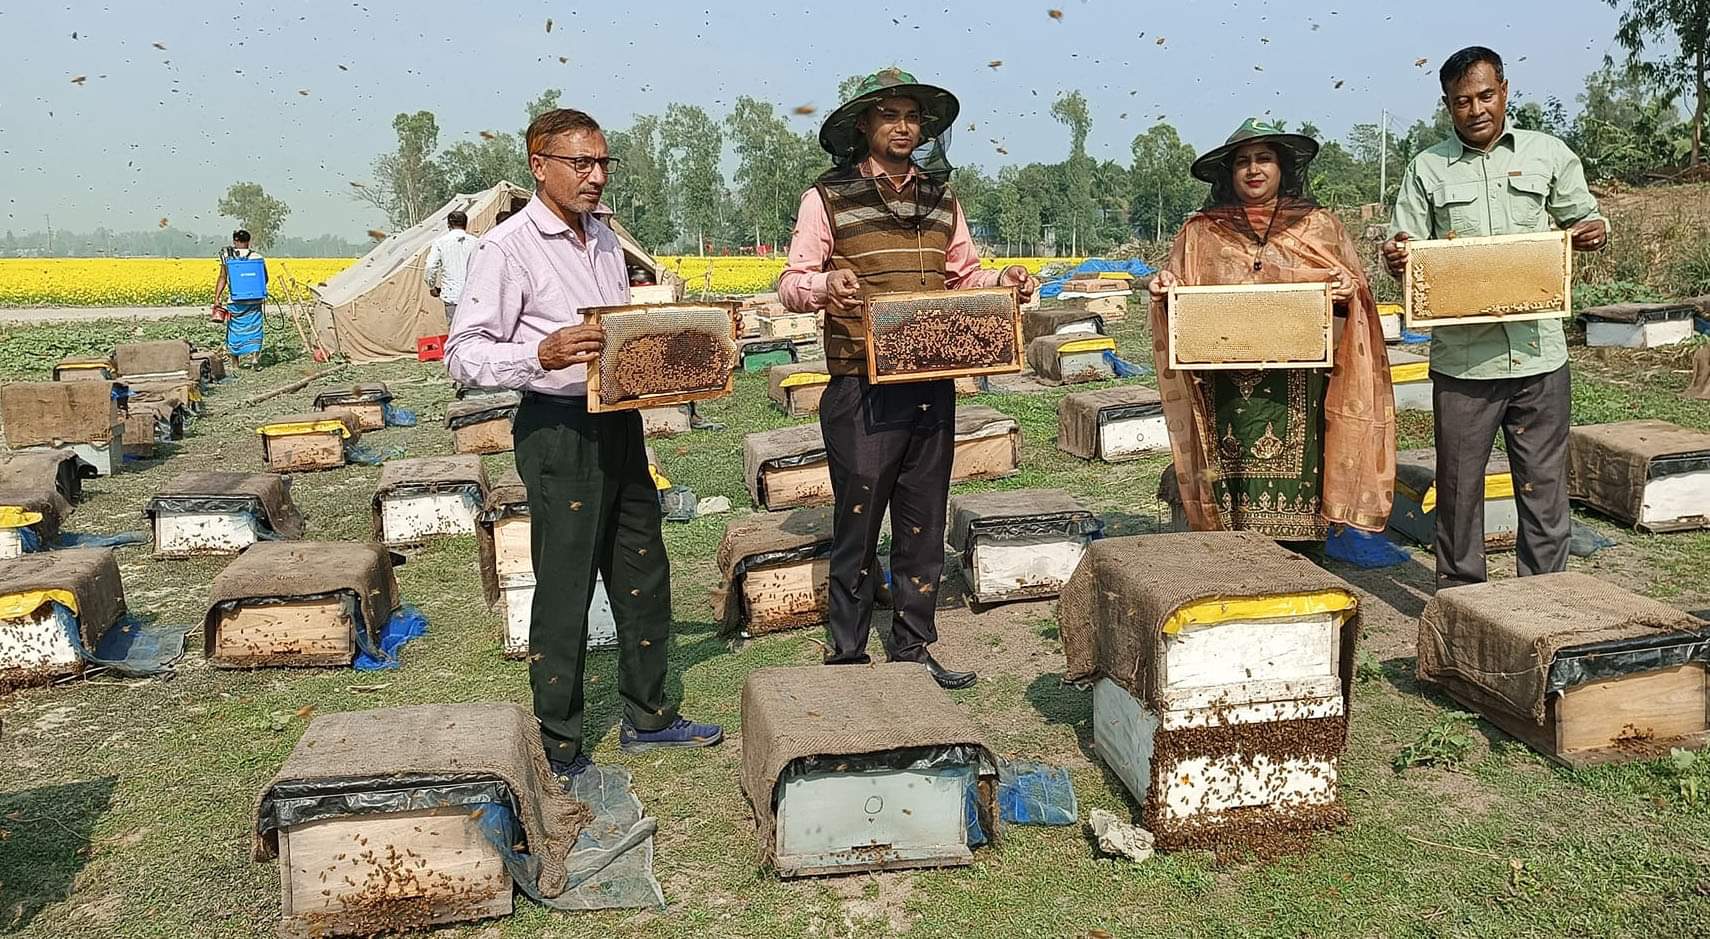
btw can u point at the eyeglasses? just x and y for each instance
(583, 165)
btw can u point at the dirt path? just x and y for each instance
(72, 314)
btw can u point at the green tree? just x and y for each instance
(976, 193)
(694, 144)
(256, 211)
(1080, 210)
(1680, 29)
(1011, 221)
(548, 101)
(639, 190)
(476, 165)
(774, 166)
(846, 88)
(408, 182)
(1625, 127)
(1165, 192)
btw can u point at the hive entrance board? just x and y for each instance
(317, 631)
(492, 436)
(362, 874)
(187, 534)
(1247, 326)
(662, 354)
(877, 819)
(928, 335)
(790, 595)
(1497, 279)
(787, 487)
(311, 450)
(412, 518)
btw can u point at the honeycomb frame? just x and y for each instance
(1311, 323)
(1510, 290)
(601, 316)
(927, 301)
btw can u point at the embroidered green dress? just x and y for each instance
(1267, 443)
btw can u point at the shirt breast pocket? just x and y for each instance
(1526, 195)
(1458, 209)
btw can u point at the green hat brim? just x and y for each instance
(839, 137)
(1214, 164)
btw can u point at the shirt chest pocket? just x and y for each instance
(1460, 210)
(1526, 195)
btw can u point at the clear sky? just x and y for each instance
(299, 95)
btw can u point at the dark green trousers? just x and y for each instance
(593, 510)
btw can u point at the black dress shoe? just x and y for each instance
(946, 678)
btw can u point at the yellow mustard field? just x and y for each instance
(93, 282)
(80, 282)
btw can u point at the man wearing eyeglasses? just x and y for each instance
(592, 504)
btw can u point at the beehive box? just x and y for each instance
(1389, 320)
(662, 354)
(84, 368)
(394, 820)
(1071, 358)
(1020, 544)
(428, 497)
(668, 421)
(893, 777)
(969, 385)
(164, 360)
(149, 424)
(1652, 475)
(988, 445)
(1579, 669)
(1222, 664)
(213, 513)
(1414, 514)
(299, 442)
(1112, 424)
(1410, 376)
(775, 569)
(782, 324)
(484, 424)
(212, 364)
(1250, 326)
(366, 402)
(797, 388)
(79, 416)
(927, 335)
(1638, 325)
(786, 468)
(759, 355)
(31, 514)
(59, 470)
(1036, 323)
(299, 603)
(1494, 279)
(54, 607)
(506, 519)
(1111, 309)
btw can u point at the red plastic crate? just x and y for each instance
(430, 348)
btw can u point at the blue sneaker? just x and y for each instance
(683, 733)
(565, 772)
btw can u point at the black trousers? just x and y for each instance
(593, 510)
(1534, 414)
(890, 447)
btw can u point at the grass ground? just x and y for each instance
(125, 807)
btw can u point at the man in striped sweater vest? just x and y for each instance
(878, 222)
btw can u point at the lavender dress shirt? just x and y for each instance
(528, 278)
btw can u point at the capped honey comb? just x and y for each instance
(1489, 280)
(662, 354)
(920, 336)
(1245, 326)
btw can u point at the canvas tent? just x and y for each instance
(376, 309)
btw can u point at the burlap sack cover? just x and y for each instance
(1036, 323)
(844, 710)
(508, 496)
(466, 411)
(776, 374)
(485, 741)
(965, 510)
(40, 498)
(767, 446)
(271, 492)
(1502, 636)
(1699, 389)
(1609, 464)
(363, 393)
(270, 570)
(1077, 416)
(45, 413)
(1632, 313)
(973, 418)
(1417, 469)
(176, 392)
(91, 575)
(60, 469)
(1114, 607)
(150, 358)
(760, 534)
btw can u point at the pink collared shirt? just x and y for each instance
(527, 278)
(802, 288)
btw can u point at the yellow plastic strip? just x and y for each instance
(1389, 309)
(659, 481)
(22, 604)
(1115, 275)
(16, 516)
(1096, 344)
(1496, 486)
(1409, 371)
(1213, 611)
(304, 427)
(805, 378)
(83, 366)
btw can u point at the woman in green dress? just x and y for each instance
(1285, 452)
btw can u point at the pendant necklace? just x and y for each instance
(1257, 263)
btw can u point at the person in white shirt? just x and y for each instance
(448, 262)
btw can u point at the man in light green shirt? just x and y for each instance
(1491, 179)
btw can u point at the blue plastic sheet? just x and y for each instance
(1031, 793)
(1124, 368)
(131, 647)
(30, 541)
(72, 539)
(1363, 549)
(678, 503)
(365, 455)
(406, 624)
(976, 833)
(1095, 266)
(1412, 338)
(1584, 541)
(398, 415)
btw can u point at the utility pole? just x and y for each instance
(1160, 235)
(1383, 157)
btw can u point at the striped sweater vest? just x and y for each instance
(894, 240)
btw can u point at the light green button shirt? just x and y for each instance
(1526, 182)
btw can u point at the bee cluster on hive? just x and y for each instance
(943, 331)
